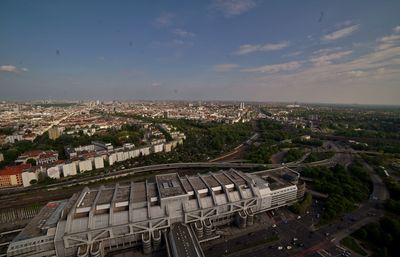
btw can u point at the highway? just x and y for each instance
(238, 148)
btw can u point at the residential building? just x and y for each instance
(30, 175)
(98, 162)
(69, 169)
(158, 148)
(41, 157)
(85, 165)
(54, 172)
(11, 176)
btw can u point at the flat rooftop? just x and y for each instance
(46, 219)
(163, 186)
(169, 185)
(279, 178)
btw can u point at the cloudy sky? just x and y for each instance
(307, 51)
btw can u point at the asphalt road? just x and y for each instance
(256, 242)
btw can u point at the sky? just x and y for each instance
(320, 51)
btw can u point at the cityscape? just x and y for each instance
(169, 129)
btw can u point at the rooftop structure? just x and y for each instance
(103, 219)
(41, 157)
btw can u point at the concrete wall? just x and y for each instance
(27, 177)
(54, 172)
(69, 169)
(157, 148)
(98, 163)
(85, 165)
(112, 158)
(167, 147)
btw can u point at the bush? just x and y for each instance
(303, 206)
(393, 206)
(293, 155)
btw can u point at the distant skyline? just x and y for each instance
(241, 50)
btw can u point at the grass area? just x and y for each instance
(351, 244)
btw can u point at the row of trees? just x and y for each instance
(293, 155)
(393, 204)
(12, 152)
(382, 238)
(261, 153)
(345, 189)
(318, 156)
(6, 131)
(204, 141)
(311, 142)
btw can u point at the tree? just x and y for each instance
(31, 161)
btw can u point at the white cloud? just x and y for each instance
(390, 38)
(164, 20)
(183, 33)
(225, 67)
(384, 46)
(247, 49)
(340, 33)
(232, 8)
(293, 54)
(327, 58)
(387, 42)
(273, 68)
(156, 84)
(357, 73)
(326, 50)
(372, 77)
(382, 64)
(396, 29)
(24, 69)
(8, 68)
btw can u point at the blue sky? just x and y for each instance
(306, 51)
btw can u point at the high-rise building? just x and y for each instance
(54, 133)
